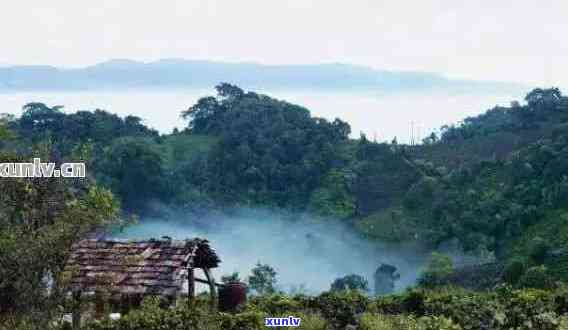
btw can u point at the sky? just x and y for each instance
(506, 40)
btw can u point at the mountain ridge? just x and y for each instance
(175, 72)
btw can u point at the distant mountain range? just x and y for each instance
(176, 73)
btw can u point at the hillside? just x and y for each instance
(495, 186)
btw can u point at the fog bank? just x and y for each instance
(306, 253)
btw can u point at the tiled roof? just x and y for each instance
(155, 267)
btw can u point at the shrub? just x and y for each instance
(342, 308)
(350, 282)
(276, 304)
(311, 321)
(470, 310)
(515, 269)
(436, 323)
(414, 302)
(152, 317)
(406, 322)
(563, 323)
(538, 249)
(536, 277)
(439, 267)
(387, 322)
(530, 309)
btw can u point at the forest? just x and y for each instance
(495, 186)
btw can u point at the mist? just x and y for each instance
(307, 254)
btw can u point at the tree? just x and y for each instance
(228, 91)
(40, 218)
(543, 98)
(263, 279)
(38, 120)
(133, 168)
(202, 116)
(350, 282)
(269, 151)
(5, 132)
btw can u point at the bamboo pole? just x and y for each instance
(212, 288)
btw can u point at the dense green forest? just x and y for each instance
(496, 185)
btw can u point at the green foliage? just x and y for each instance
(443, 308)
(334, 198)
(502, 179)
(312, 321)
(544, 243)
(39, 221)
(530, 309)
(542, 104)
(420, 194)
(539, 249)
(438, 268)
(515, 269)
(39, 121)
(342, 308)
(406, 322)
(536, 277)
(470, 310)
(497, 183)
(505, 308)
(5, 132)
(153, 317)
(263, 279)
(277, 304)
(270, 152)
(350, 282)
(383, 174)
(392, 224)
(133, 168)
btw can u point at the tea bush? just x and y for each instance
(406, 322)
(506, 308)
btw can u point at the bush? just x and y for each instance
(563, 324)
(342, 308)
(514, 270)
(386, 322)
(276, 304)
(350, 282)
(439, 267)
(470, 310)
(536, 277)
(152, 317)
(414, 302)
(538, 249)
(417, 309)
(436, 323)
(530, 309)
(311, 321)
(420, 194)
(406, 322)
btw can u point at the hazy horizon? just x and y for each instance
(379, 116)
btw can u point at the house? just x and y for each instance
(124, 272)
